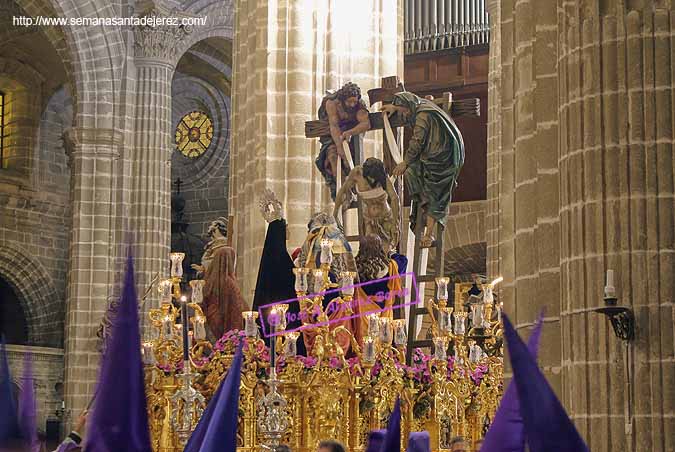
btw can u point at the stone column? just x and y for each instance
(494, 140)
(524, 242)
(617, 211)
(287, 54)
(150, 225)
(92, 255)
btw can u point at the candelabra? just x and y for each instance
(177, 344)
(484, 333)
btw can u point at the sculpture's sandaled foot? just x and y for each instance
(427, 241)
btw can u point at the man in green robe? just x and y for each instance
(432, 161)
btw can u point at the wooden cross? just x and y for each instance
(391, 86)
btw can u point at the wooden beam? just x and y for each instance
(460, 108)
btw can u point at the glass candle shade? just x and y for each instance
(445, 320)
(373, 324)
(278, 317)
(164, 288)
(347, 283)
(167, 326)
(386, 333)
(301, 284)
(442, 288)
(318, 281)
(440, 348)
(477, 315)
(369, 351)
(199, 327)
(250, 327)
(197, 286)
(326, 251)
(177, 264)
(488, 296)
(475, 353)
(291, 344)
(460, 325)
(400, 334)
(148, 353)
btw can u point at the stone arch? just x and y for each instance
(220, 22)
(37, 294)
(93, 57)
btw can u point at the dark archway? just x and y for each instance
(13, 323)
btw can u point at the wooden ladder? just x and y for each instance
(417, 308)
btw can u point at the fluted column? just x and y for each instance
(150, 223)
(287, 54)
(617, 204)
(92, 255)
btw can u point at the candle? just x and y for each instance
(318, 281)
(400, 335)
(273, 352)
(197, 286)
(199, 327)
(488, 296)
(442, 288)
(440, 348)
(373, 324)
(167, 325)
(386, 335)
(301, 284)
(291, 344)
(475, 353)
(610, 291)
(444, 321)
(347, 279)
(326, 251)
(250, 328)
(460, 327)
(186, 326)
(369, 349)
(148, 354)
(164, 289)
(177, 264)
(477, 315)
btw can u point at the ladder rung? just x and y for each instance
(426, 278)
(352, 238)
(421, 311)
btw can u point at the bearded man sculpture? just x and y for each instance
(347, 116)
(223, 302)
(432, 162)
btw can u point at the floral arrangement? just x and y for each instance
(419, 373)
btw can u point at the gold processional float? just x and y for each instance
(302, 400)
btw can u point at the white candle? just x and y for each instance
(610, 291)
(326, 251)
(177, 264)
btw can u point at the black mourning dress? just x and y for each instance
(276, 281)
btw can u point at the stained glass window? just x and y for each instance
(2, 130)
(194, 134)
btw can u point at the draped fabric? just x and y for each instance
(276, 281)
(373, 298)
(223, 302)
(434, 156)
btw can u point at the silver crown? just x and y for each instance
(270, 206)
